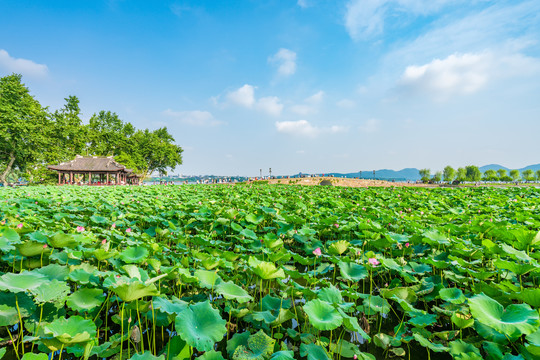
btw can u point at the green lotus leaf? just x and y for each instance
(22, 282)
(351, 324)
(265, 270)
(516, 268)
(200, 326)
(351, 271)
(489, 333)
(8, 315)
(32, 248)
(85, 299)
(32, 356)
(530, 296)
(267, 316)
(25, 302)
(129, 289)
(174, 306)
(313, 352)
(54, 271)
(423, 320)
(102, 254)
(462, 321)
(134, 255)
(61, 240)
(83, 277)
(211, 355)
(322, 315)
(432, 346)
(147, 355)
(404, 293)
(331, 295)
(338, 247)
(493, 350)
(207, 278)
(514, 321)
(248, 234)
(52, 291)
(533, 343)
(283, 355)
(377, 304)
(259, 346)
(231, 291)
(453, 295)
(177, 349)
(8, 237)
(461, 350)
(237, 340)
(283, 316)
(98, 219)
(6, 247)
(64, 332)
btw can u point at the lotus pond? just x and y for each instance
(269, 272)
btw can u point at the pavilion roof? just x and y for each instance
(90, 163)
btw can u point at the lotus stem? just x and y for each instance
(13, 343)
(122, 329)
(140, 325)
(20, 340)
(153, 328)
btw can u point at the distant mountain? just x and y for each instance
(412, 174)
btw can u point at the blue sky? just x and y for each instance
(295, 85)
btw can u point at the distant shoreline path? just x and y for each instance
(348, 182)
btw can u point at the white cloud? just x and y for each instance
(302, 3)
(244, 96)
(370, 126)
(346, 104)
(315, 98)
(300, 127)
(366, 18)
(194, 117)
(285, 59)
(300, 152)
(271, 105)
(304, 128)
(310, 104)
(25, 67)
(465, 74)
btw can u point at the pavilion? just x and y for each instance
(94, 170)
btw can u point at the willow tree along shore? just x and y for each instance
(32, 137)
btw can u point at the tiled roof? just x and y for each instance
(90, 163)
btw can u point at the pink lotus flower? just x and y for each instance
(355, 357)
(80, 228)
(128, 230)
(45, 246)
(19, 226)
(336, 225)
(373, 262)
(407, 244)
(3, 222)
(317, 252)
(103, 242)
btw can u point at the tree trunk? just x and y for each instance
(6, 172)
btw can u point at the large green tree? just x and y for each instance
(461, 174)
(107, 134)
(490, 175)
(425, 174)
(151, 151)
(514, 174)
(23, 127)
(449, 173)
(68, 134)
(528, 175)
(473, 173)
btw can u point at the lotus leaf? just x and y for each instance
(351, 271)
(461, 350)
(21, 282)
(64, 332)
(331, 295)
(53, 271)
(174, 306)
(211, 355)
(130, 289)
(313, 352)
(237, 340)
(52, 291)
(514, 321)
(462, 321)
(283, 355)
(259, 346)
(134, 255)
(32, 248)
(322, 315)
(8, 315)
(208, 279)
(32, 356)
(338, 247)
(85, 299)
(265, 270)
(200, 326)
(453, 295)
(146, 356)
(430, 345)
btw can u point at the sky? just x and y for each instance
(307, 86)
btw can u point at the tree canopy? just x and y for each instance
(31, 137)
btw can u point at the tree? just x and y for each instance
(490, 175)
(23, 125)
(538, 174)
(502, 174)
(425, 174)
(472, 173)
(449, 173)
(528, 175)
(107, 134)
(150, 151)
(437, 177)
(514, 174)
(68, 135)
(461, 174)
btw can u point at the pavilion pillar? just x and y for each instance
(107, 178)
(58, 178)
(89, 178)
(71, 177)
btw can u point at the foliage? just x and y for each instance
(425, 174)
(473, 173)
(449, 174)
(270, 272)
